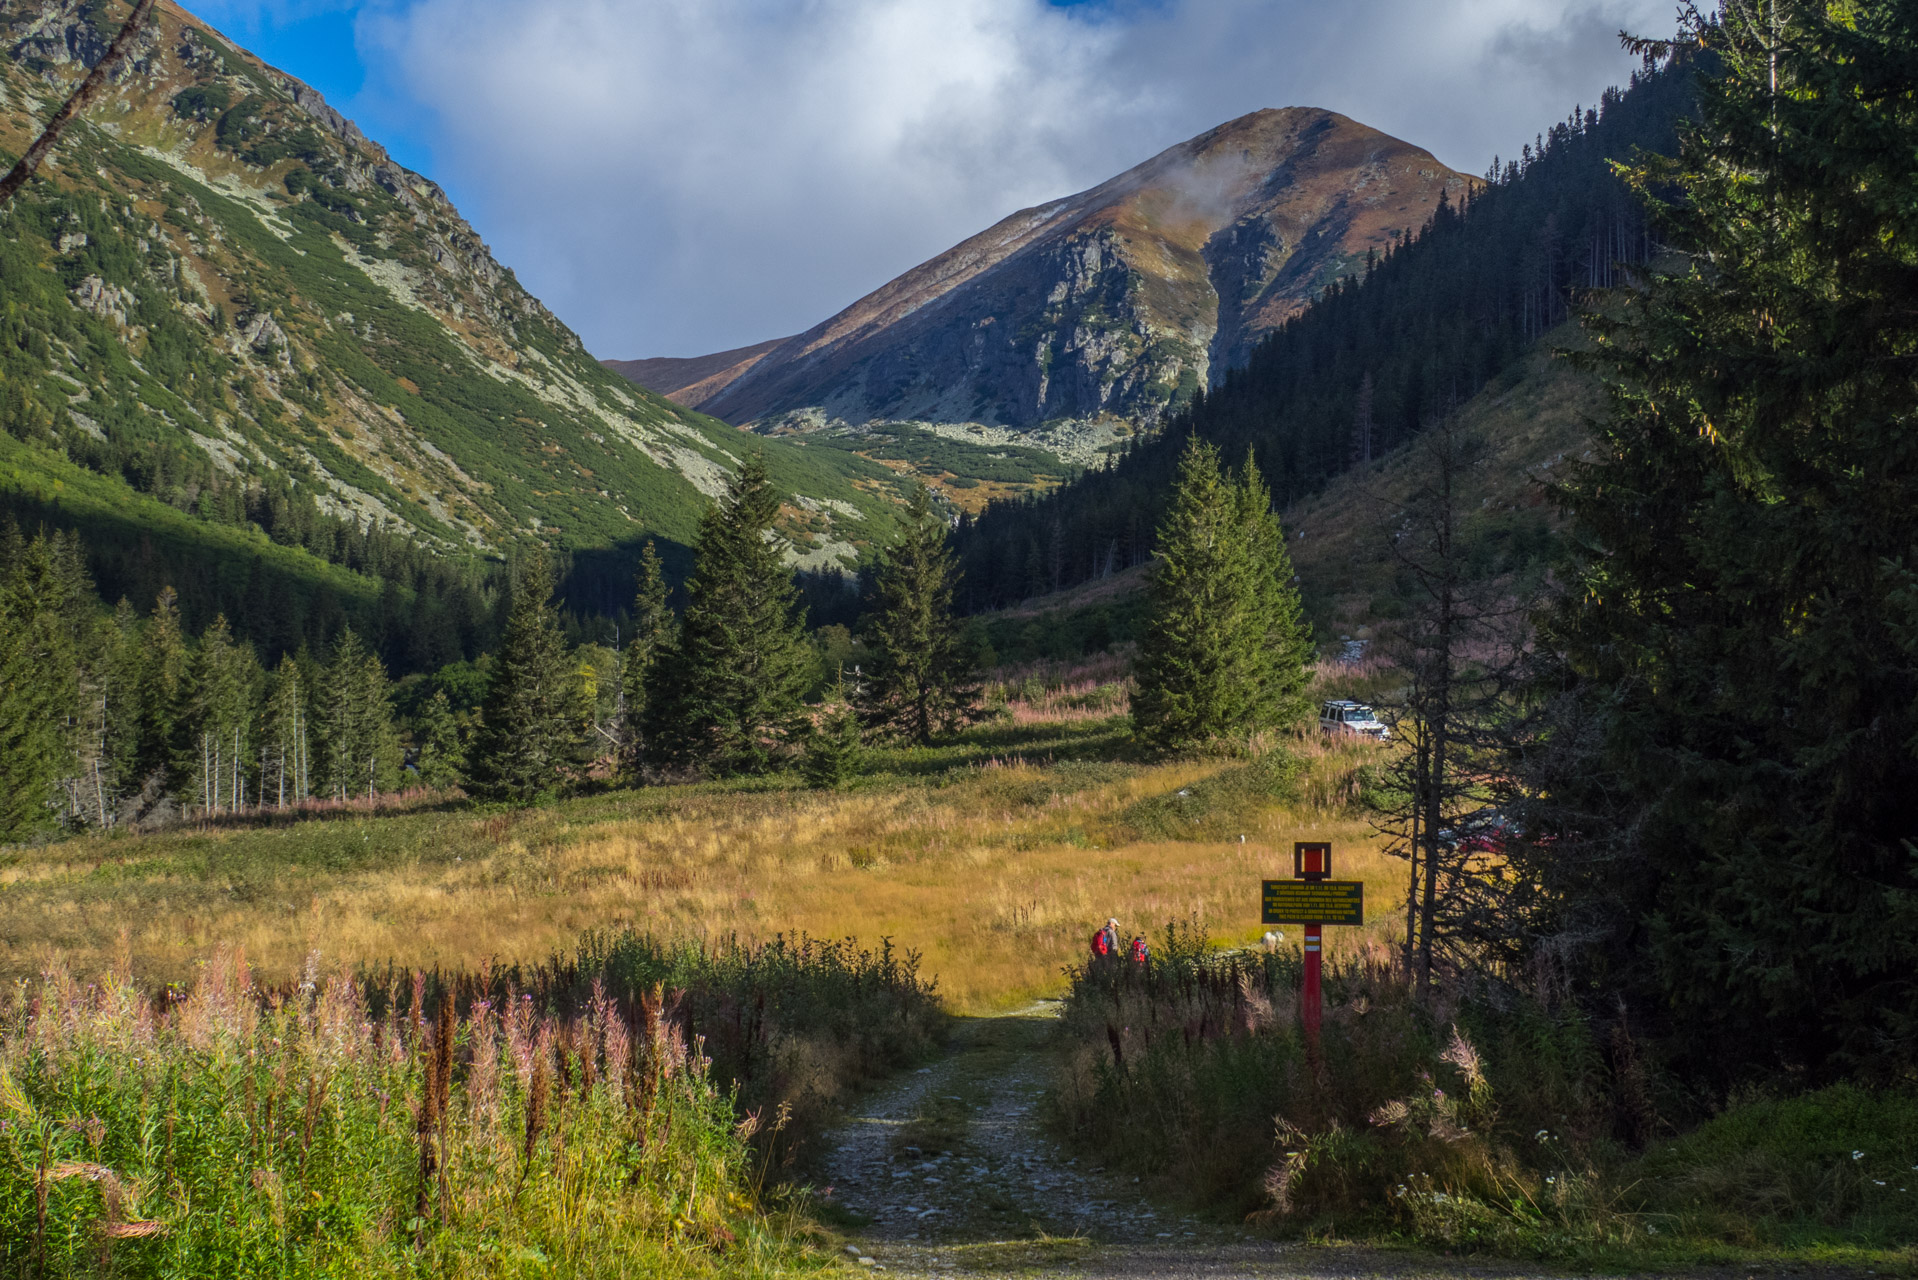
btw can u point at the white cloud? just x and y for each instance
(677, 176)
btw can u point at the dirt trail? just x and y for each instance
(948, 1171)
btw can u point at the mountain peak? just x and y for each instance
(1117, 302)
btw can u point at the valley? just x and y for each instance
(988, 856)
(473, 808)
(232, 314)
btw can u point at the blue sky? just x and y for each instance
(680, 176)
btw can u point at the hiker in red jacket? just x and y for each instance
(1140, 952)
(1105, 944)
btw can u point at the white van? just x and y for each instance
(1345, 716)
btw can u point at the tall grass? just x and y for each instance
(1090, 689)
(993, 858)
(788, 1025)
(572, 1119)
(1194, 1070)
(1479, 1119)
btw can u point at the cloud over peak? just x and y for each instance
(679, 176)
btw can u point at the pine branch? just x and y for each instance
(88, 90)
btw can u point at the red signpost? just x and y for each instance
(1312, 898)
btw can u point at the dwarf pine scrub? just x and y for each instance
(224, 1129)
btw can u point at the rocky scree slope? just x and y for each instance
(220, 284)
(1108, 307)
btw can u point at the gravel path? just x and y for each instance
(948, 1172)
(955, 1153)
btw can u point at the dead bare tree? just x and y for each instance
(89, 88)
(1459, 649)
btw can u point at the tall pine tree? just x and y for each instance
(1223, 654)
(531, 742)
(121, 667)
(356, 722)
(441, 760)
(160, 684)
(285, 738)
(919, 677)
(213, 753)
(1734, 784)
(1282, 641)
(652, 633)
(725, 695)
(38, 697)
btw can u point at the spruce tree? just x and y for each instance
(361, 748)
(1281, 642)
(1734, 665)
(38, 697)
(531, 741)
(122, 666)
(441, 760)
(833, 748)
(919, 677)
(725, 695)
(652, 633)
(285, 738)
(213, 750)
(160, 683)
(1223, 653)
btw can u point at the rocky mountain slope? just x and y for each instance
(222, 300)
(1097, 313)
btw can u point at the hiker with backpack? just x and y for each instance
(1139, 952)
(1105, 944)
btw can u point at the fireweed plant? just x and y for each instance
(328, 1129)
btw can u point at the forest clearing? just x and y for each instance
(993, 856)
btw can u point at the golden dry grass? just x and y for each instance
(995, 872)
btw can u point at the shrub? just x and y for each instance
(201, 101)
(1838, 1163)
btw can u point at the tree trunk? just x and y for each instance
(89, 87)
(1412, 888)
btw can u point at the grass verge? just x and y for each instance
(1482, 1123)
(229, 1129)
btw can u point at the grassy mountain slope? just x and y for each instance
(220, 297)
(1533, 419)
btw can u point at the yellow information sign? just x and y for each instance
(1312, 902)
